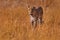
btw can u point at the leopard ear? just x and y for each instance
(39, 8)
(33, 7)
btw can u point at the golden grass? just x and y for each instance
(15, 24)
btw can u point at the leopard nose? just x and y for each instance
(31, 14)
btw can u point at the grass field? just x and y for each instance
(15, 21)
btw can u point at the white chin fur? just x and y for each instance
(32, 18)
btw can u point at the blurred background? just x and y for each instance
(15, 20)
